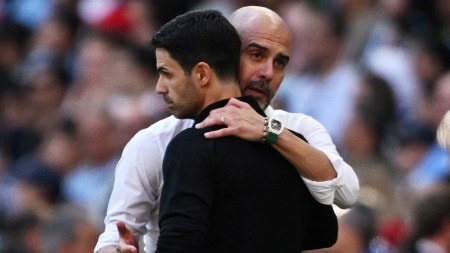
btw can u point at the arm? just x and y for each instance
(327, 176)
(137, 185)
(134, 194)
(185, 199)
(127, 241)
(343, 190)
(310, 162)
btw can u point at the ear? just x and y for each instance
(201, 73)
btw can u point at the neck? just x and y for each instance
(221, 103)
(220, 92)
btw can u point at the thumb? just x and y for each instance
(125, 234)
(123, 230)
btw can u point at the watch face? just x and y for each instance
(275, 125)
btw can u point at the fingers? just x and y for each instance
(127, 242)
(218, 133)
(227, 115)
(237, 103)
(123, 230)
(218, 116)
(126, 249)
(209, 121)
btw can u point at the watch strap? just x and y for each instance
(274, 128)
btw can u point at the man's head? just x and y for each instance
(192, 51)
(265, 51)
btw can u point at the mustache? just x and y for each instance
(262, 85)
(167, 99)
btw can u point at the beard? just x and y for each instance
(260, 90)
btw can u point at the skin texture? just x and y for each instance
(181, 99)
(265, 53)
(186, 96)
(127, 241)
(266, 42)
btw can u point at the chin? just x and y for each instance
(178, 116)
(183, 115)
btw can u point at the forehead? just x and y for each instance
(268, 34)
(162, 55)
(165, 60)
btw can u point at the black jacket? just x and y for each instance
(230, 195)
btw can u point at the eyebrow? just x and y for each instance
(161, 69)
(280, 56)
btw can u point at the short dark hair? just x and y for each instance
(198, 36)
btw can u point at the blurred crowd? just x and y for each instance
(77, 81)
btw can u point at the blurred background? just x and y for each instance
(77, 82)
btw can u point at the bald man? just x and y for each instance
(264, 55)
(225, 194)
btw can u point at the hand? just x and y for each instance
(127, 242)
(240, 118)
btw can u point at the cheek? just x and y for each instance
(176, 87)
(276, 81)
(247, 69)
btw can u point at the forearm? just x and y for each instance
(346, 184)
(328, 178)
(310, 162)
(342, 190)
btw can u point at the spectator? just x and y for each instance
(20, 233)
(37, 191)
(327, 89)
(366, 139)
(434, 165)
(430, 222)
(69, 231)
(90, 181)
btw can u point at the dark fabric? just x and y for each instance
(230, 195)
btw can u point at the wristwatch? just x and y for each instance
(274, 128)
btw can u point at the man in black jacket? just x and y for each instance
(226, 194)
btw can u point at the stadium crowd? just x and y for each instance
(77, 81)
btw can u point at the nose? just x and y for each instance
(160, 88)
(266, 71)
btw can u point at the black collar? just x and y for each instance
(221, 103)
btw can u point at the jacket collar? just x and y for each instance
(221, 103)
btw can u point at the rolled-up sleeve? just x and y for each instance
(342, 190)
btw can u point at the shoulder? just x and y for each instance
(189, 137)
(168, 126)
(297, 122)
(144, 152)
(159, 133)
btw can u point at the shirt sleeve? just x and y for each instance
(134, 196)
(342, 190)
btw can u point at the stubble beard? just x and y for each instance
(261, 86)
